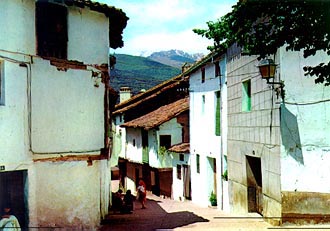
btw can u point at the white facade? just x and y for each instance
(207, 147)
(46, 113)
(287, 137)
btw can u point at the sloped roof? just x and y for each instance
(159, 116)
(149, 94)
(180, 148)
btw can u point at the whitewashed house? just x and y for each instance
(278, 139)
(208, 130)
(146, 126)
(54, 146)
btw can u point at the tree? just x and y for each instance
(261, 27)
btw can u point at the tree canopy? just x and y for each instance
(262, 26)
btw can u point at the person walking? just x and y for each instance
(142, 193)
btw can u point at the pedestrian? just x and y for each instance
(8, 220)
(117, 201)
(142, 193)
(128, 202)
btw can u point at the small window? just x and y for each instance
(178, 172)
(2, 84)
(134, 143)
(203, 74)
(203, 104)
(197, 163)
(165, 141)
(246, 96)
(217, 69)
(51, 30)
(181, 157)
(217, 114)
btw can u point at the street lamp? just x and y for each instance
(267, 68)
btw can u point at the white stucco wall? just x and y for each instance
(69, 193)
(66, 114)
(134, 152)
(93, 29)
(203, 140)
(172, 128)
(67, 110)
(177, 186)
(305, 155)
(16, 26)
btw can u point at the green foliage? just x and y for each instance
(225, 175)
(162, 151)
(261, 27)
(213, 199)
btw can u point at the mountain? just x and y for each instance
(139, 73)
(175, 58)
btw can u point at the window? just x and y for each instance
(246, 95)
(51, 30)
(217, 114)
(203, 104)
(197, 163)
(178, 171)
(2, 84)
(165, 141)
(203, 74)
(181, 157)
(134, 143)
(217, 69)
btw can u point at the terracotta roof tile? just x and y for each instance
(159, 116)
(180, 148)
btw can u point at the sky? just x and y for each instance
(161, 25)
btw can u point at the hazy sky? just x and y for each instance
(157, 25)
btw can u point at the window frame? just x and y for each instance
(198, 163)
(246, 96)
(51, 29)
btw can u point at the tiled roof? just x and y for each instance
(159, 116)
(150, 93)
(180, 148)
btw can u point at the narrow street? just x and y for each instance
(167, 214)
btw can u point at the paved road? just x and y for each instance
(165, 214)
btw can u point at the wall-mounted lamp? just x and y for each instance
(267, 68)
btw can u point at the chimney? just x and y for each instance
(185, 67)
(125, 93)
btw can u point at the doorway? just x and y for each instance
(13, 192)
(186, 182)
(254, 183)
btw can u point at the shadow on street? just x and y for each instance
(152, 218)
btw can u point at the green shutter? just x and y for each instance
(217, 115)
(246, 96)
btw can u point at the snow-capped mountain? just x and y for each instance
(175, 58)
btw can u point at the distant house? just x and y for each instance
(54, 149)
(146, 126)
(278, 139)
(208, 130)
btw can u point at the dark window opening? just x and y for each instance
(51, 30)
(198, 163)
(178, 171)
(203, 74)
(217, 69)
(165, 141)
(181, 157)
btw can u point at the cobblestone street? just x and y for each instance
(166, 214)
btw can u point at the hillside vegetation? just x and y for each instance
(139, 73)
